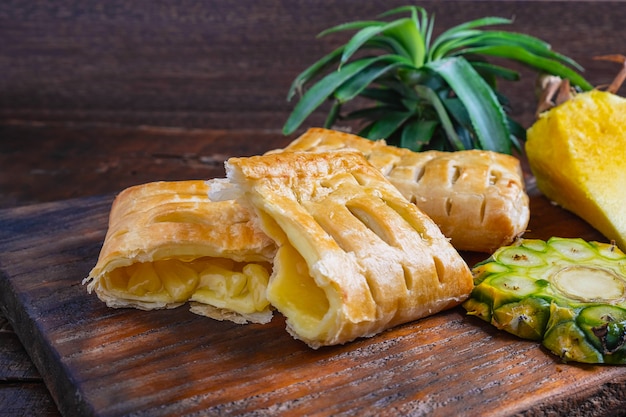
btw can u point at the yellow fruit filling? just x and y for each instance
(219, 282)
(293, 290)
(242, 292)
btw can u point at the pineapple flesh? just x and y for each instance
(567, 293)
(577, 153)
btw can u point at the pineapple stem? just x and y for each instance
(589, 284)
(554, 91)
(621, 75)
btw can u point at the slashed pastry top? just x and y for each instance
(476, 197)
(168, 244)
(354, 256)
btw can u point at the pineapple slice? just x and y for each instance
(567, 293)
(576, 151)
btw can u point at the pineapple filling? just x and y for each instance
(220, 282)
(295, 294)
(170, 280)
(589, 284)
(236, 288)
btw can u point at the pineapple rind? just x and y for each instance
(527, 319)
(565, 339)
(514, 292)
(478, 309)
(605, 326)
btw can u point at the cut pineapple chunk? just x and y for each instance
(168, 244)
(567, 293)
(577, 153)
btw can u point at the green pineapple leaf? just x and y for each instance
(308, 74)
(424, 93)
(486, 115)
(321, 91)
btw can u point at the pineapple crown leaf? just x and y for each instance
(483, 108)
(518, 53)
(463, 31)
(419, 30)
(387, 124)
(309, 73)
(322, 90)
(440, 108)
(418, 15)
(403, 60)
(483, 21)
(358, 40)
(417, 133)
(382, 95)
(475, 106)
(407, 32)
(492, 71)
(356, 84)
(361, 24)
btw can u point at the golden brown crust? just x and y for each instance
(476, 197)
(355, 257)
(167, 243)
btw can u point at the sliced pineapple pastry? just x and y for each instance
(354, 256)
(167, 244)
(567, 293)
(476, 197)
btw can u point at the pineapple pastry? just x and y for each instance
(476, 197)
(354, 256)
(168, 244)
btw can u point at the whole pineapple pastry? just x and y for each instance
(476, 197)
(568, 294)
(577, 153)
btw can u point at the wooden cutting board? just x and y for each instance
(105, 362)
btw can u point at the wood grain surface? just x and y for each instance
(228, 64)
(98, 96)
(108, 362)
(21, 389)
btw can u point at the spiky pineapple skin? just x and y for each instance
(577, 153)
(517, 290)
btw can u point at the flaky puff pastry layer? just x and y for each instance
(354, 256)
(476, 197)
(168, 244)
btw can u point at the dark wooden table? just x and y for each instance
(95, 98)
